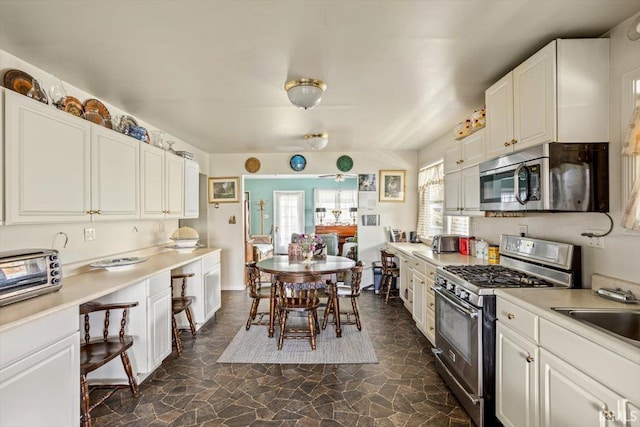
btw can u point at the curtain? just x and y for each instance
(430, 200)
(631, 214)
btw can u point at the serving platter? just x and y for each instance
(117, 264)
(21, 82)
(72, 105)
(102, 110)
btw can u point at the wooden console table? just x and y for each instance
(343, 232)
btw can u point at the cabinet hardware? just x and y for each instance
(431, 304)
(510, 315)
(514, 141)
(90, 212)
(431, 328)
(529, 359)
(506, 144)
(608, 415)
(99, 212)
(461, 160)
(431, 273)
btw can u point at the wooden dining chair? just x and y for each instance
(97, 351)
(297, 293)
(178, 305)
(257, 291)
(348, 289)
(390, 273)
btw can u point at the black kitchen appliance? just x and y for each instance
(466, 313)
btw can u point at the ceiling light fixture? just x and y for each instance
(305, 93)
(317, 141)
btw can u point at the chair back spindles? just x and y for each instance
(181, 304)
(256, 293)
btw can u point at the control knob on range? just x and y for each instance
(450, 286)
(457, 292)
(464, 295)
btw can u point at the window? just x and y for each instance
(335, 200)
(431, 220)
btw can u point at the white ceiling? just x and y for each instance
(399, 73)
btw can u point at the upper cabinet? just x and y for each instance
(560, 94)
(465, 152)
(191, 189)
(1, 156)
(162, 175)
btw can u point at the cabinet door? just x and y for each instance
(1, 155)
(115, 175)
(452, 184)
(212, 292)
(517, 401)
(43, 388)
(419, 302)
(499, 129)
(473, 149)
(48, 163)
(452, 157)
(174, 190)
(152, 178)
(568, 397)
(158, 328)
(191, 189)
(470, 188)
(534, 99)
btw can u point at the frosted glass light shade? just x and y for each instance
(305, 93)
(317, 141)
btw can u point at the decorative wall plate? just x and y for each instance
(102, 110)
(344, 163)
(297, 162)
(252, 165)
(73, 106)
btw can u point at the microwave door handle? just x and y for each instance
(516, 184)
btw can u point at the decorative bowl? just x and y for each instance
(185, 243)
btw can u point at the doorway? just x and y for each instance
(288, 218)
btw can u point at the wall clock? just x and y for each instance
(297, 162)
(344, 163)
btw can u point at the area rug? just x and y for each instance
(254, 346)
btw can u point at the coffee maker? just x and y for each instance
(413, 237)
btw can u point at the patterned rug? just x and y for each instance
(254, 346)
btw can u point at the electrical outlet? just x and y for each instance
(523, 229)
(595, 242)
(89, 234)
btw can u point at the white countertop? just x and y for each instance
(94, 284)
(423, 251)
(540, 302)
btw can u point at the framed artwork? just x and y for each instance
(392, 186)
(367, 182)
(223, 190)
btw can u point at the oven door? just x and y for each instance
(458, 339)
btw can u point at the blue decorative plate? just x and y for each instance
(344, 163)
(297, 162)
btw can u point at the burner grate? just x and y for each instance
(496, 276)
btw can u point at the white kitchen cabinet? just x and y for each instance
(1, 156)
(466, 152)
(559, 94)
(430, 325)
(462, 192)
(205, 287)
(159, 315)
(40, 376)
(405, 281)
(162, 178)
(517, 401)
(419, 295)
(115, 175)
(48, 163)
(191, 188)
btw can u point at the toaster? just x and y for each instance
(445, 243)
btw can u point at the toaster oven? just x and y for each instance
(445, 243)
(28, 273)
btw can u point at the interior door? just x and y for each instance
(288, 218)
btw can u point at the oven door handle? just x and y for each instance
(456, 305)
(472, 397)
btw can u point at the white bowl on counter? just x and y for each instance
(185, 243)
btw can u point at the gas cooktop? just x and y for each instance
(496, 276)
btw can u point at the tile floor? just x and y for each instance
(403, 389)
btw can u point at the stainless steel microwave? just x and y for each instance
(560, 177)
(28, 273)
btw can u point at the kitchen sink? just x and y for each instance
(625, 323)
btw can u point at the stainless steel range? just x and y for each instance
(466, 313)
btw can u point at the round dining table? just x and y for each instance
(280, 264)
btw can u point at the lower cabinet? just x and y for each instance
(40, 376)
(158, 320)
(419, 300)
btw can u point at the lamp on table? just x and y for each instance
(353, 213)
(320, 213)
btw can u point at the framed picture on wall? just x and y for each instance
(223, 190)
(367, 182)
(392, 186)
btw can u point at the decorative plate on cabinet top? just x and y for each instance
(73, 106)
(116, 264)
(344, 163)
(102, 110)
(252, 165)
(297, 162)
(22, 83)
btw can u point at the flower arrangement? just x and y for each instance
(309, 242)
(336, 213)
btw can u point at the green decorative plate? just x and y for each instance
(297, 162)
(344, 163)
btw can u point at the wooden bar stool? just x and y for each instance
(389, 273)
(180, 304)
(298, 293)
(96, 352)
(348, 289)
(257, 291)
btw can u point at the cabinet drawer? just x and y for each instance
(430, 326)
(518, 318)
(159, 283)
(418, 265)
(209, 261)
(431, 299)
(430, 270)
